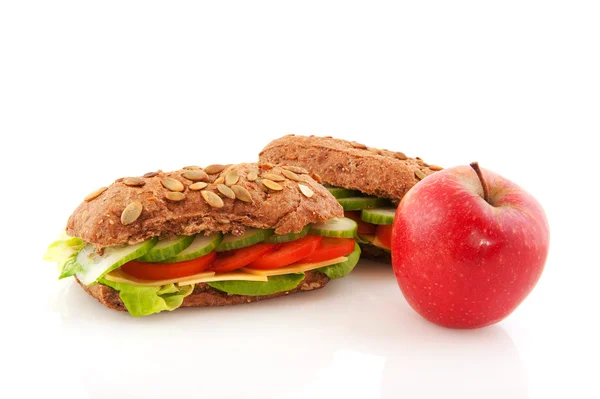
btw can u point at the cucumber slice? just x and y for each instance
(336, 227)
(378, 215)
(278, 239)
(166, 249)
(360, 203)
(342, 269)
(339, 192)
(250, 237)
(201, 246)
(275, 284)
(94, 266)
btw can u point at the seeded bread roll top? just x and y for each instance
(350, 165)
(227, 199)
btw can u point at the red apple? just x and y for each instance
(468, 246)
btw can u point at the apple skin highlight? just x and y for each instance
(462, 262)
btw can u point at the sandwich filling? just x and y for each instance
(373, 215)
(157, 275)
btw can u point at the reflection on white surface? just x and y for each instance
(355, 338)
(350, 374)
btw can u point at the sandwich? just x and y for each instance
(213, 236)
(368, 182)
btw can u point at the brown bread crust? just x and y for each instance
(351, 165)
(204, 295)
(99, 221)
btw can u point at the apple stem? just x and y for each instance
(477, 170)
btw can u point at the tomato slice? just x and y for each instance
(288, 253)
(231, 260)
(166, 271)
(384, 233)
(331, 248)
(363, 227)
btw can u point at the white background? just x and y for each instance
(90, 92)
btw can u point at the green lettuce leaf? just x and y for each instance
(63, 252)
(142, 301)
(285, 282)
(371, 240)
(342, 269)
(362, 240)
(70, 268)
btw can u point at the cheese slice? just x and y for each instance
(295, 268)
(222, 277)
(119, 276)
(374, 240)
(377, 242)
